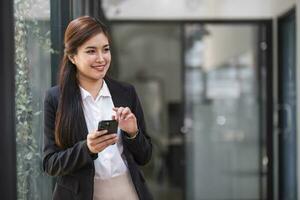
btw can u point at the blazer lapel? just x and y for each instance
(116, 93)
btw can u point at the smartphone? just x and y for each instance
(110, 125)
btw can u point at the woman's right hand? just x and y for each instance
(99, 140)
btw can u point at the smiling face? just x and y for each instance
(92, 59)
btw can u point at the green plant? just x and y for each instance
(28, 152)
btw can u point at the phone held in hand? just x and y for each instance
(110, 125)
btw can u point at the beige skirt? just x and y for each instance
(116, 188)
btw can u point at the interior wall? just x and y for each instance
(279, 7)
(188, 9)
(217, 51)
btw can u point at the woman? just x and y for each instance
(90, 164)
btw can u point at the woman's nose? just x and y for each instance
(100, 57)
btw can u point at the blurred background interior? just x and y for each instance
(216, 79)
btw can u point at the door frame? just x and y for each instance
(282, 19)
(8, 172)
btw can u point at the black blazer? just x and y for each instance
(74, 167)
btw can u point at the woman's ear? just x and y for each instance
(71, 58)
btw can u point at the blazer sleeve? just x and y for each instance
(57, 161)
(141, 146)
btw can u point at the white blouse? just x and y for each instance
(109, 162)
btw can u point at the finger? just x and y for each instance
(96, 134)
(96, 148)
(102, 145)
(125, 112)
(103, 138)
(118, 112)
(130, 116)
(93, 138)
(92, 135)
(102, 132)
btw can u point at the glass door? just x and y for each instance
(222, 119)
(200, 86)
(149, 56)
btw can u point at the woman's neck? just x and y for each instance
(93, 87)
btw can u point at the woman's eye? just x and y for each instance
(106, 49)
(90, 51)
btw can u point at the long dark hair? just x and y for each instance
(69, 116)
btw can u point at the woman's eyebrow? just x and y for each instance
(93, 47)
(90, 47)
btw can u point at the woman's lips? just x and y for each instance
(99, 67)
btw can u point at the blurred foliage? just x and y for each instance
(28, 155)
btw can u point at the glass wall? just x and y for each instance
(199, 85)
(33, 77)
(223, 138)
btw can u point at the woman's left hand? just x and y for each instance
(126, 119)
